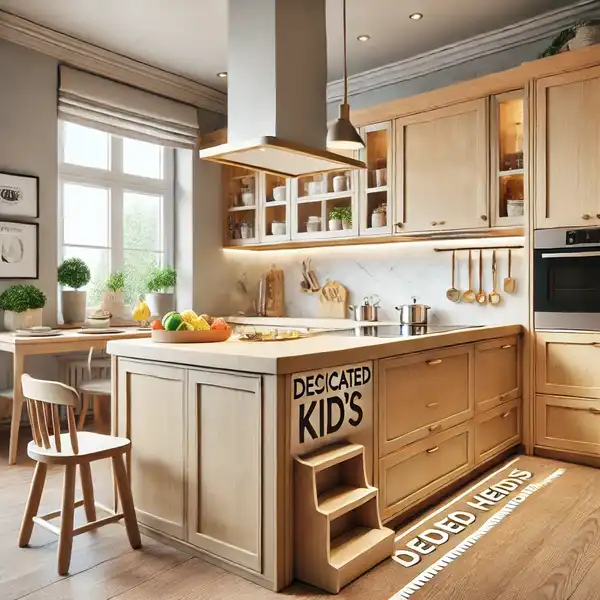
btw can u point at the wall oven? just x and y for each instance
(566, 276)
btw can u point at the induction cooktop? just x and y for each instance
(394, 331)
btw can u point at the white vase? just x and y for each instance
(347, 225)
(22, 320)
(73, 306)
(113, 302)
(378, 220)
(160, 303)
(335, 224)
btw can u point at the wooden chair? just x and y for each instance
(70, 449)
(94, 389)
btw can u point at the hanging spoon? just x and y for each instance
(452, 293)
(509, 283)
(469, 295)
(495, 297)
(481, 295)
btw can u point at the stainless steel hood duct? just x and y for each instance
(277, 79)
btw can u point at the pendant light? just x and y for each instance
(342, 135)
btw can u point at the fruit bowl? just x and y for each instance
(190, 337)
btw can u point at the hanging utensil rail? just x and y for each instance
(467, 248)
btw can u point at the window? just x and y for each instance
(116, 206)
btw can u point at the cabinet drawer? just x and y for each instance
(567, 364)
(497, 429)
(417, 471)
(568, 424)
(497, 372)
(422, 394)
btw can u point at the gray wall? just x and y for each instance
(29, 145)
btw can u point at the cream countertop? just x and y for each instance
(302, 322)
(293, 356)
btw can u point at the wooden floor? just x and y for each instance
(547, 549)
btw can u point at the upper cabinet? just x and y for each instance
(274, 204)
(442, 169)
(375, 199)
(508, 143)
(568, 150)
(240, 191)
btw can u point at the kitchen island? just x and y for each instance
(217, 430)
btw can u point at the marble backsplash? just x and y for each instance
(395, 272)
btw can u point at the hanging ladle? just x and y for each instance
(452, 293)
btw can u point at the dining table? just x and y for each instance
(57, 342)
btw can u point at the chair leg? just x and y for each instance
(65, 540)
(97, 414)
(87, 487)
(85, 406)
(33, 503)
(131, 524)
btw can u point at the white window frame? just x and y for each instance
(118, 182)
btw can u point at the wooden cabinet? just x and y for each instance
(567, 364)
(151, 413)
(423, 394)
(274, 200)
(376, 182)
(225, 466)
(496, 430)
(442, 169)
(241, 189)
(570, 424)
(497, 372)
(420, 469)
(568, 151)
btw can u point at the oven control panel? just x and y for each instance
(583, 236)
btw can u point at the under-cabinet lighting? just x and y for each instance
(363, 38)
(416, 16)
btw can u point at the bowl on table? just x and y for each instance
(98, 320)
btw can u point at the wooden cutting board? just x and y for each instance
(333, 301)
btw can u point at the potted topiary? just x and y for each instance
(112, 298)
(161, 294)
(335, 219)
(22, 305)
(73, 273)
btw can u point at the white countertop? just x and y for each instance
(304, 322)
(293, 356)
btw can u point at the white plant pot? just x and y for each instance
(160, 303)
(73, 306)
(335, 224)
(347, 225)
(22, 320)
(378, 220)
(113, 302)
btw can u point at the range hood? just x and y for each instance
(277, 80)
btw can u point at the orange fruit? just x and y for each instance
(156, 324)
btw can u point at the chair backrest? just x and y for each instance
(43, 400)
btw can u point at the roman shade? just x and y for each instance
(123, 110)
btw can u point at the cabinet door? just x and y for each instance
(442, 169)
(568, 151)
(497, 372)
(567, 364)
(151, 413)
(497, 430)
(225, 466)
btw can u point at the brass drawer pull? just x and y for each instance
(507, 347)
(433, 405)
(434, 362)
(595, 411)
(435, 427)
(432, 450)
(506, 415)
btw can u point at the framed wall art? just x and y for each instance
(19, 250)
(19, 196)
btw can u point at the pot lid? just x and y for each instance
(277, 80)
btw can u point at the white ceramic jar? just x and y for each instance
(378, 220)
(313, 224)
(278, 228)
(340, 183)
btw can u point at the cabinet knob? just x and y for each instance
(595, 411)
(435, 427)
(506, 415)
(586, 217)
(506, 346)
(433, 405)
(432, 450)
(483, 217)
(433, 223)
(438, 361)
(399, 225)
(598, 216)
(442, 223)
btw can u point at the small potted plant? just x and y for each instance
(346, 216)
(161, 294)
(379, 216)
(112, 298)
(336, 216)
(22, 305)
(73, 273)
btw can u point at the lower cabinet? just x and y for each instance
(497, 429)
(151, 413)
(225, 466)
(569, 424)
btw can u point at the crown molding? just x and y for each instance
(109, 64)
(529, 31)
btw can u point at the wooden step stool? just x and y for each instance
(338, 534)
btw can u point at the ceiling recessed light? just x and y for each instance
(222, 74)
(416, 16)
(363, 38)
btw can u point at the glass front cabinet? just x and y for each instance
(376, 184)
(509, 143)
(240, 191)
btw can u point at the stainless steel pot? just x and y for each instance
(413, 314)
(368, 311)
